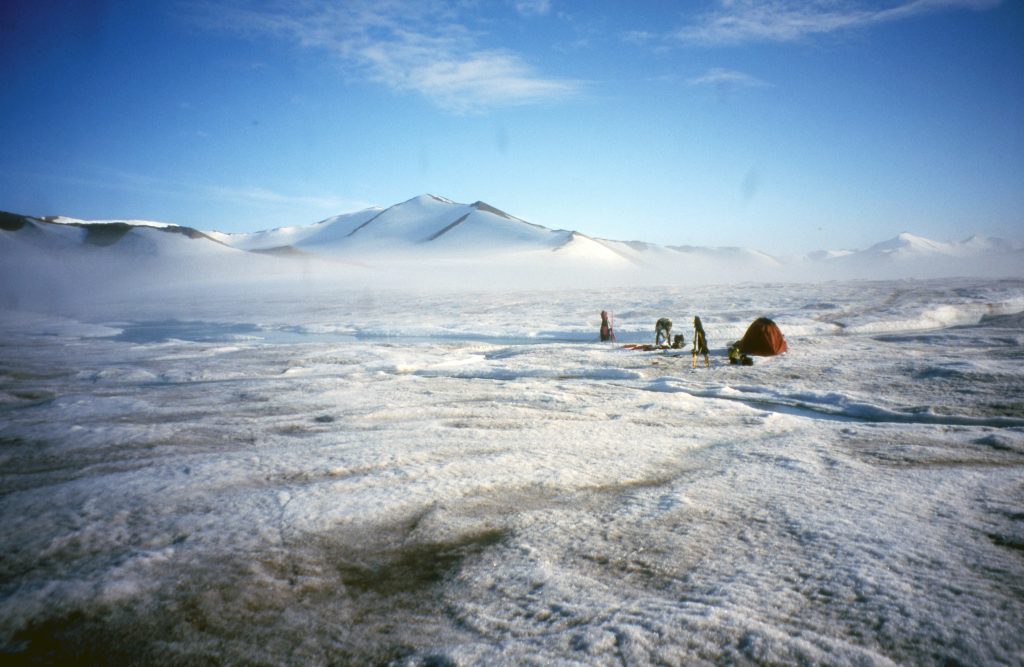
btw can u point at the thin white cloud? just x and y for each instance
(640, 37)
(533, 7)
(419, 47)
(742, 21)
(96, 176)
(255, 195)
(727, 78)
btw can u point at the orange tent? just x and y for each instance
(763, 339)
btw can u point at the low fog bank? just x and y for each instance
(428, 243)
(993, 266)
(79, 282)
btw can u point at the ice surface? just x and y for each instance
(266, 473)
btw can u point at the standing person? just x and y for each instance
(607, 333)
(700, 342)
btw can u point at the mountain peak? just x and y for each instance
(427, 197)
(905, 242)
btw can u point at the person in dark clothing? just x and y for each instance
(663, 327)
(607, 333)
(700, 342)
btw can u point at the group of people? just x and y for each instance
(763, 338)
(663, 329)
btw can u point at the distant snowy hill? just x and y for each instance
(432, 227)
(433, 240)
(907, 246)
(131, 237)
(62, 259)
(423, 225)
(907, 255)
(429, 226)
(282, 239)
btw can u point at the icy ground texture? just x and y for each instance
(470, 479)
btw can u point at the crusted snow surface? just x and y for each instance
(373, 477)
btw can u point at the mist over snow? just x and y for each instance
(393, 437)
(430, 228)
(430, 241)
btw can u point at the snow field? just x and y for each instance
(454, 483)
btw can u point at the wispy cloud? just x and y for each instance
(640, 36)
(106, 178)
(255, 195)
(727, 78)
(533, 7)
(743, 21)
(419, 47)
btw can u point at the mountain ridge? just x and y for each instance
(430, 228)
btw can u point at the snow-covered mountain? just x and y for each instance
(20, 234)
(433, 226)
(907, 246)
(436, 238)
(427, 225)
(57, 260)
(908, 255)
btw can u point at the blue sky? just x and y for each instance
(782, 125)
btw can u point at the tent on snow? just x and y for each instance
(763, 339)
